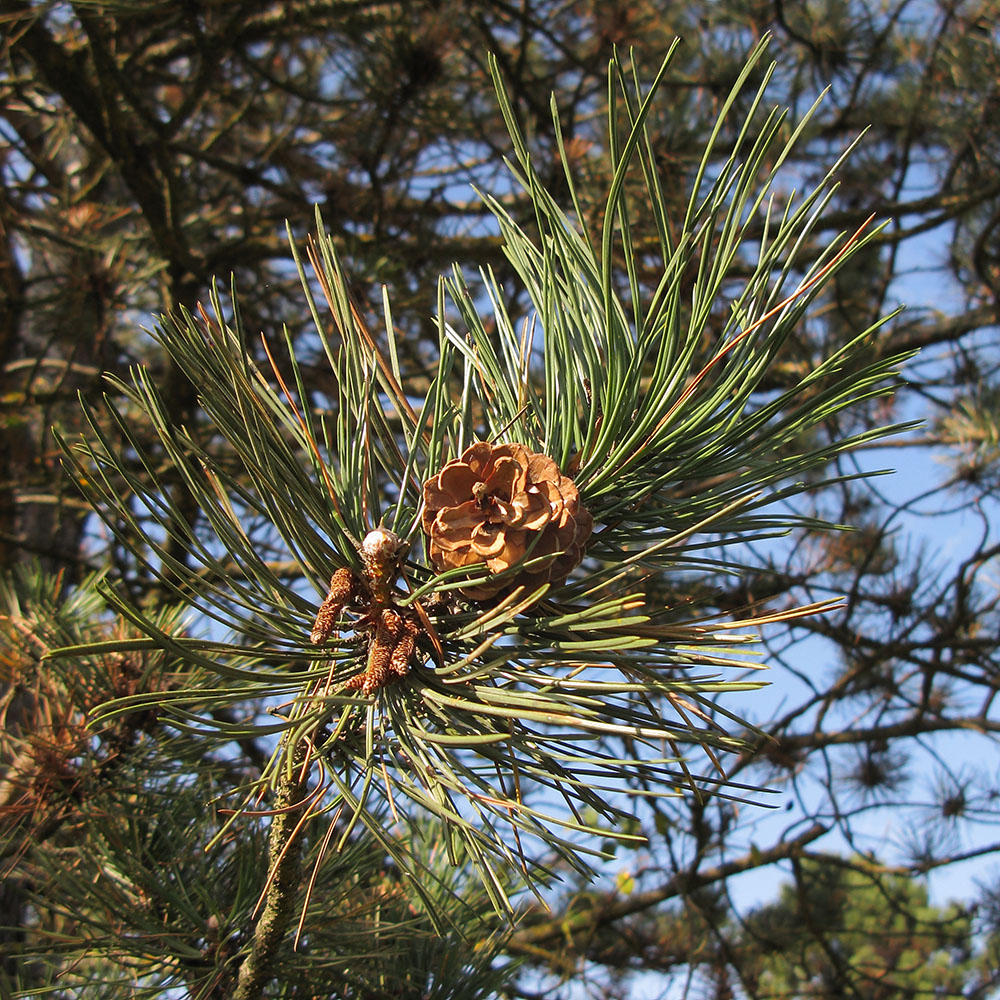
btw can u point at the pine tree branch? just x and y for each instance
(284, 854)
(67, 75)
(916, 725)
(572, 929)
(942, 329)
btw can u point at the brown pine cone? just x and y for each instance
(498, 504)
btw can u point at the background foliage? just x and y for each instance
(149, 147)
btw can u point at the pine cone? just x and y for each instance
(498, 504)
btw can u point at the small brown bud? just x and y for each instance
(389, 652)
(405, 647)
(343, 590)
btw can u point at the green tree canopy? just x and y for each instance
(847, 929)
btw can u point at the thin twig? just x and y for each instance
(284, 853)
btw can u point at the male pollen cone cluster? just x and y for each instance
(499, 504)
